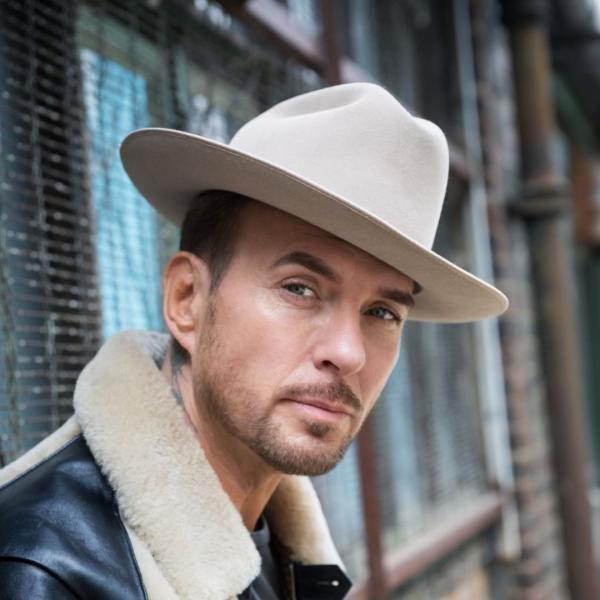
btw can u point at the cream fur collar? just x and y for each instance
(166, 490)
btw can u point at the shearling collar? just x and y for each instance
(166, 490)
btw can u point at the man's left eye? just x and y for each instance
(299, 289)
(383, 313)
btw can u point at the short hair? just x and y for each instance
(209, 230)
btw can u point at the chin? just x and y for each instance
(311, 456)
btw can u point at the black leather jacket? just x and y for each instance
(61, 537)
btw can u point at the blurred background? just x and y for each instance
(478, 474)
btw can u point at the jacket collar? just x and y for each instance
(166, 490)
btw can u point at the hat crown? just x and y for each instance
(348, 159)
(359, 143)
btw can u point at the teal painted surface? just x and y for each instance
(116, 101)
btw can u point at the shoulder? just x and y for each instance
(60, 525)
(44, 506)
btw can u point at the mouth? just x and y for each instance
(320, 409)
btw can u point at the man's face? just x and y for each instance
(297, 342)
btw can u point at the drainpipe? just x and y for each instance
(544, 203)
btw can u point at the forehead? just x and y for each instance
(266, 232)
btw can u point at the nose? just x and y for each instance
(340, 346)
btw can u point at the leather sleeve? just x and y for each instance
(20, 580)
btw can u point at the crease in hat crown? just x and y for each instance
(369, 147)
(349, 159)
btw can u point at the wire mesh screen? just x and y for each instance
(189, 67)
(340, 495)
(408, 46)
(427, 421)
(462, 576)
(427, 434)
(48, 290)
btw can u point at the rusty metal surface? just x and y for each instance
(537, 201)
(534, 104)
(371, 508)
(554, 287)
(330, 43)
(420, 554)
(415, 556)
(560, 352)
(585, 175)
(272, 20)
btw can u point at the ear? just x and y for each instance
(186, 288)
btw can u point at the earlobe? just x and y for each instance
(186, 286)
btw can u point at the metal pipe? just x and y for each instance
(543, 204)
(426, 550)
(367, 460)
(329, 43)
(422, 553)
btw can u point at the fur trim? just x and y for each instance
(294, 513)
(157, 587)
(47, 447)
(167, 492)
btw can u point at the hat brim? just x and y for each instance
(170, 168)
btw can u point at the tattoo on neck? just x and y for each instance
(176, 365)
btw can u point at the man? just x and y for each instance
(178, 475)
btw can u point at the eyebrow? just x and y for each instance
(310, 262)
(315, 264)
(399, 296)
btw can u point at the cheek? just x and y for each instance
(263, 336)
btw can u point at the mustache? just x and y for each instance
(334, 391)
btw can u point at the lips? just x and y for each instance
(320, 408)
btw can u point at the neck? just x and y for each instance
(246, 478)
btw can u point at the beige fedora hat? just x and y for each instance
(349, 159)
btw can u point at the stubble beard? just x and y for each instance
(227, 402)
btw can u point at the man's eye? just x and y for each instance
(383, 313)
(299, 289)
